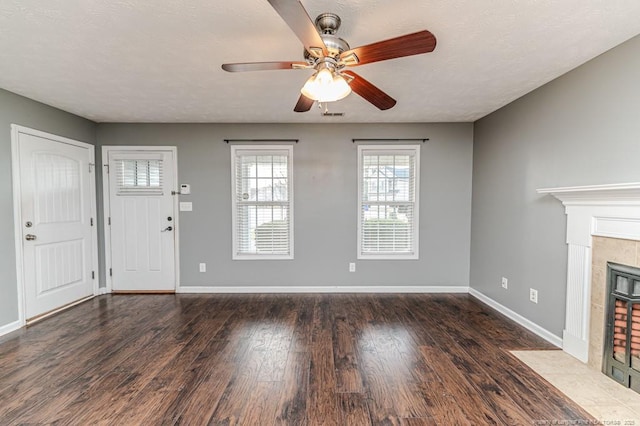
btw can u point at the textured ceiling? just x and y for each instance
(159, 61)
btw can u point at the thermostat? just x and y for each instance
(185, 189)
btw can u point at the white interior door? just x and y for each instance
(142, 218)
(56, 187)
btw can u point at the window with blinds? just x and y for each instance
(139, 176)
(262, 202)
(388, 179)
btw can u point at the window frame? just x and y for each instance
(372, 149)
(261, 150)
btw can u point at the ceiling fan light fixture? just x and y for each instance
(326, 85)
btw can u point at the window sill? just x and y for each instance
(388, 256)
(262, 257)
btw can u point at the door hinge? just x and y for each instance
(91, 167)
(107, 166)
(109, 221)
(110, 272)
(93, 275)
(91, 221)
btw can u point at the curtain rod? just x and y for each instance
(389, 140)
(261, 140)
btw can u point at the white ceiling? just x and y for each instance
(159, 61)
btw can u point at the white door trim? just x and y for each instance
(107, 207)
(16, 130)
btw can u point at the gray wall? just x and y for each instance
(16, 109)
(324, 203)
(580, 129)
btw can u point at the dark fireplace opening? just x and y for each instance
(622, 338)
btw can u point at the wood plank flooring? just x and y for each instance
(275, 360)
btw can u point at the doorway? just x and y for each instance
(140, 218)
(54, 205)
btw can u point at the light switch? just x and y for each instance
(186, 206)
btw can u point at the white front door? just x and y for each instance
(56, 187)
(142, 219)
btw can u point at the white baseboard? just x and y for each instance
(324, 289)
(12, 326)
(102, 290)
(528, 324)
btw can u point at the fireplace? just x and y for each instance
(598, 215)
(621, 358)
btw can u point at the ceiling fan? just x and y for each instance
(330, 55)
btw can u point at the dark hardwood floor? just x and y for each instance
(275, 359)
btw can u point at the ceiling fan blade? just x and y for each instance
(263, 66)
(304, 104)
(297, 18)
(406, 45)
(370, 92)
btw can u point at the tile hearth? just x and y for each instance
(599, 395)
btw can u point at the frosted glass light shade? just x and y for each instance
(325, 86)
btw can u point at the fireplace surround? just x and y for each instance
(610, 211)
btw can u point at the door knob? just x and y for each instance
(168, 228)
(29, 237)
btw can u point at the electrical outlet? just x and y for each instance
(203, 267)
(505, 283)
(352, 267)
(533, 295)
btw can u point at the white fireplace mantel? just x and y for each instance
(597, 210)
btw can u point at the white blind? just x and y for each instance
(388, 201)
(262, 202)
(139, 176)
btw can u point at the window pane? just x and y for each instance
(154, 173)
(142, 173)
(128, 176)
(272, 234)
(369, 189)
(261, 202)
(247, 190)
(265, 189)
(387, 228)
(263, 230)
(402, 190)
(248, 166)
(388, 214)
(280, 190)
(280, 168)
(139, 176)
(265, 166)
(387, 178)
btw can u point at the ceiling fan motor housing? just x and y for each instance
(327, 25)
